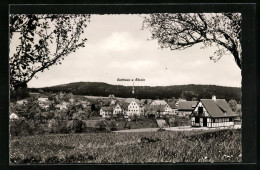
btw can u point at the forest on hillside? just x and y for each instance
(188, 92)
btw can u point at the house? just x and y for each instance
(63, 105)
(45, 105)
(112, 102)
(161, 107)
(159, 102)
(116, 109)
(34, 94)
(111, 96)
(134, 107)
(174, 107)
(185, 108)
(22, 102)
(72, 100)
(146, 101)
(129, 100)
(42, 99)
(13, 116)
(212, 113)
(106, 111)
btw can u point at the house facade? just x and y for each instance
(135, 108)
(117, 109)
(106, 111)
(212, 113)
(161, 109)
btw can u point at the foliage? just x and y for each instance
(143, 147)
(19, 93)
(102, 125)
(189, 95)
(113, 125)
(21, 127)
(147, 92)
(58, 126)
(169, 120)
(182, 30)
(239, 112)
(43, 40)
(232, 104)
(78, 125)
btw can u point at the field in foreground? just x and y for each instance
(143, 147)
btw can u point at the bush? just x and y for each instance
(57, 126)
(78, 126)
(113, 125)
(21, 127)
(102, 125)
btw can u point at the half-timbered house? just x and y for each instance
(212, 113)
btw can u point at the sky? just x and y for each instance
(118, 48)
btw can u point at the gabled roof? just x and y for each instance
(158, 108)
(218, 108)
(187, 105)
(129, 100)
(172, 105)
(107, 109)
(160, 102)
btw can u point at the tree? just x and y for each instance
(233, 105)
(181, 31)
(40, 41)
(189, 95)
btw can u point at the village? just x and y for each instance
(95, 110)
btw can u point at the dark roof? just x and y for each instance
(107, 109)
(218, 108)
(129, 100)
(172, 105)
(187, 105)
(157, 108)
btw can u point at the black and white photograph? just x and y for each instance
(125, 88)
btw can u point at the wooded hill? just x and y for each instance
(147, 92)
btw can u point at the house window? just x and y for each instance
(230, 119)
(197, 119)
(200, 110)
(213, 120)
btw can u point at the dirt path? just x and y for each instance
(181, 128)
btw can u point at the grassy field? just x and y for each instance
(143, 147)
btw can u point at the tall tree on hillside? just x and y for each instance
(181, 31)
(232, 104)
(40, 41)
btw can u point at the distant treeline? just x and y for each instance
(189, 92)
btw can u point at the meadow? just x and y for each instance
(143, 147)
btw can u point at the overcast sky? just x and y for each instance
(118, 48)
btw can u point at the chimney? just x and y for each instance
(214, 98)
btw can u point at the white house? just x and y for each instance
(161, 106)
(22, 102)
(106, 111)
(159, 102)
(135, 108)
(117, 109)
(63, 105)
(212, 113)
(13, 116)
(43, 99)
